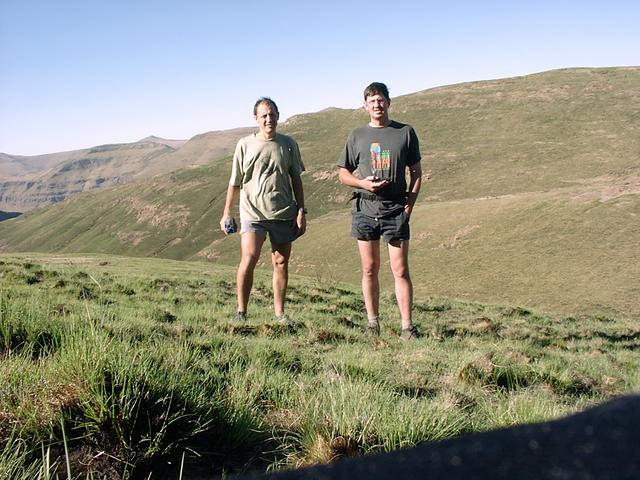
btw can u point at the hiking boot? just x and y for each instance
(283, 319)
(410, 333)
(373, 328)
(239, 317)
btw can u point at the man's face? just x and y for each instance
(377, 106)
(267, 119)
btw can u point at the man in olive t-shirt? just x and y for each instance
(374, 161)
(266, 173)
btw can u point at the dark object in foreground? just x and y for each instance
(600, 443)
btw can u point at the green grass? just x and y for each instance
(114, 367)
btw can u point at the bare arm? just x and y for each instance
(228, 205)
(415, 182)
(298, 192)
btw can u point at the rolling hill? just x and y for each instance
(31, 182)
(15, 166)
(531, 196)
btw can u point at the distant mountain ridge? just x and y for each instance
(531, 196)
(31, 182)
(20, 166)
(169, 143)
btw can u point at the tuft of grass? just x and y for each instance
(15, 461)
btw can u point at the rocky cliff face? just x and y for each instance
(22, 196)
(31, 182)
(81, 171)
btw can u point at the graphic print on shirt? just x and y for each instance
(380, 161)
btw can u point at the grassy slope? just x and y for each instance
(137, 359)
(532, 196)
(545, 250)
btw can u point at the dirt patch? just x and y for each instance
(132, 238)
(630, 187)
(324, 174)
(460, 236)
(211, 252)
(420, 238)
(606, 188)
(158, 215)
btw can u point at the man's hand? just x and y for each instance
(407, 210)
(232, 190)
(301, 222)
(223, 225)
(373, 184)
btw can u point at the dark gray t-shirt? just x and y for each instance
(385, 152)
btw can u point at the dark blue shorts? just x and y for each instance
(391, 229)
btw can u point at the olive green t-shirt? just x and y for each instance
(263, 170)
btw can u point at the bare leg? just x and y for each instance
(280, 260)
(251, 246)
(370, 264)
(399, 259)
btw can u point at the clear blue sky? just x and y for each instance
(75, 74)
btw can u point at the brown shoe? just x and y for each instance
(239, 317)
(283, 319)
(373, 328)
(410, 333)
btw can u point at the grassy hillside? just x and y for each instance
(530, 133)
(501, 137)
(116, 367)
(566, 250)
(532, 196)
(173, 216)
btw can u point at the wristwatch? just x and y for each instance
(303, 210)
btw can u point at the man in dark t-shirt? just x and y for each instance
(374, 161)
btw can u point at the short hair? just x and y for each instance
(266, 100)
(377, 88)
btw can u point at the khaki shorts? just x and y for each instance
(279, 231)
